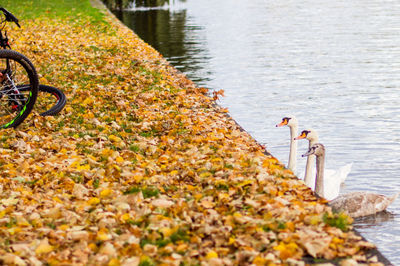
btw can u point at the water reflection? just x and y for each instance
(123, 4)
(150, 3)
(374, 220)
(166, 27)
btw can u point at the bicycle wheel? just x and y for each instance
(50, 100)
(15, 71)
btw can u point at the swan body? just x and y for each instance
(292, 123)
(371, 203)
(356, 204)
(333, 178)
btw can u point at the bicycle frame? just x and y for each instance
(8, 17)
(4, 43)
(10, 89)
(5, 74)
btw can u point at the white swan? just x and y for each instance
(312, 137)
(291, 122)
(356, 204)
(333, 178)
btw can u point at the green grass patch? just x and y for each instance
(132, 190)
(96, 183)
(134, 148)
(180, 235)
(147, 192)
(222, 187)
(146, 262)
(30, 9)
(338, 220)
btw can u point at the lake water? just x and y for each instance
(335, 65)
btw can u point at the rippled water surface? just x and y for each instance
(335, 65)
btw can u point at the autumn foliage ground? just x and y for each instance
(142, 167)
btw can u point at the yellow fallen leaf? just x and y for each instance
(44, 247)
(125, 217)
(174, 172)
(94, 201)
(119, 159)
(105, 193)
(103, 236)
(114, 262)
(87, 101)
(93, 247)
(113, 138)
(212, 255)
(166, 231)
(63, 227)
(259, 261)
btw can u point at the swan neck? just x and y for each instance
(293, 148)
(309, 179)
(319, 182)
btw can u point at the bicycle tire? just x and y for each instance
(60, 97)
(16, 106)
(57, 101)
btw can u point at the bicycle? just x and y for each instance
(19, 83)
(16, 72)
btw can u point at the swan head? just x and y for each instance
(317, 149)
(309, 134)
(289, 121)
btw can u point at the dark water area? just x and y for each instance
(169, 31)
(336, 66)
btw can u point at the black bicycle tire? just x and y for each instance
(61, 99)
(60, 96)
(34, 84)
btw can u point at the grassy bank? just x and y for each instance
(141, 166)
(52, 9)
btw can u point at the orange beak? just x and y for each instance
(302, 136)
(283, 123)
